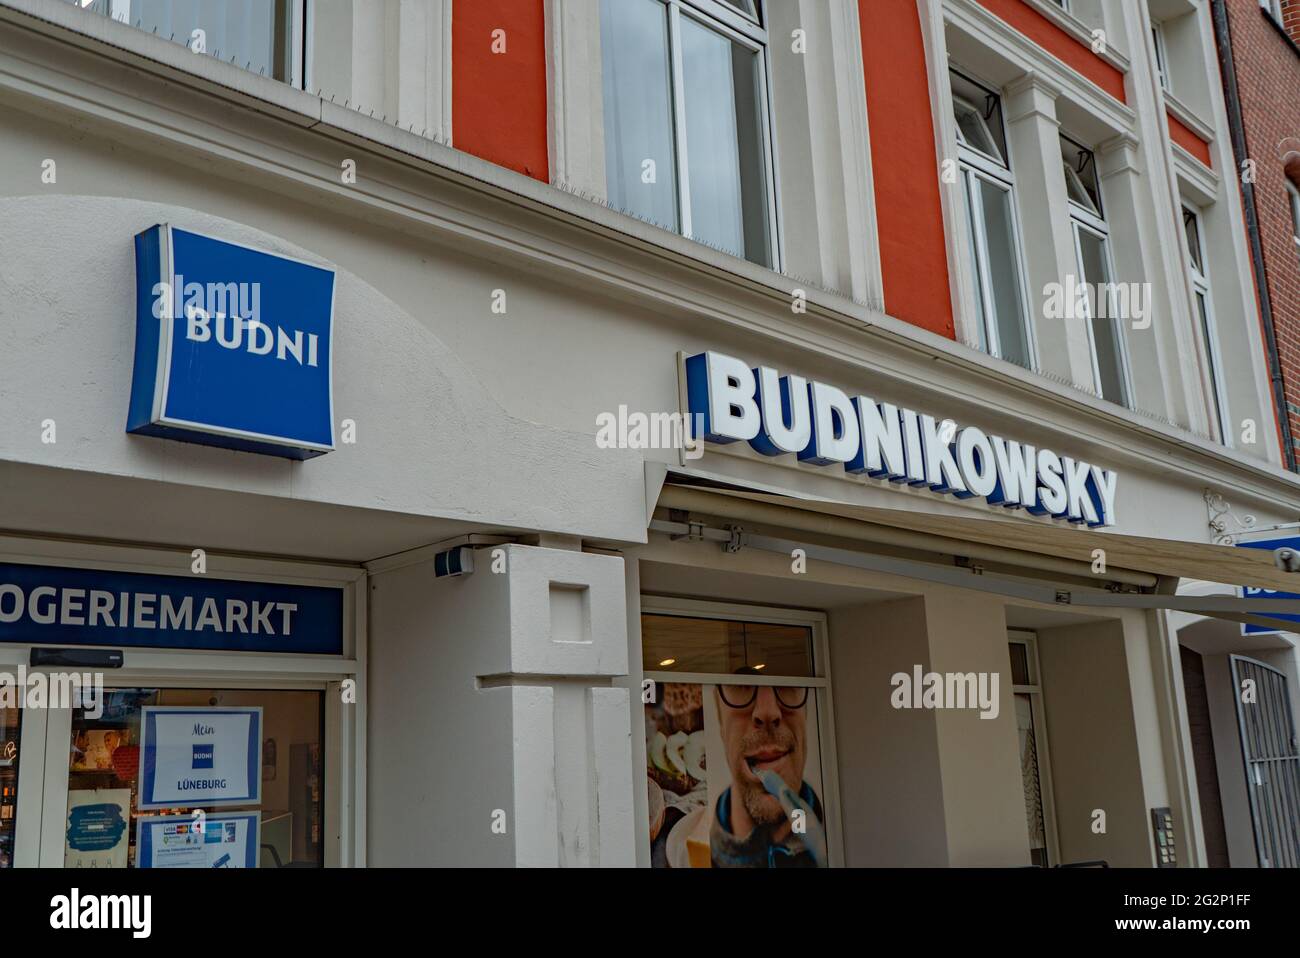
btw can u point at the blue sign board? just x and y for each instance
(200, 757)
(233, 346)
(1250, 592)
(50, 605)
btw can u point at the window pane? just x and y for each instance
(972, 185)
(640, 165)
(973, 131)
(254, 34)
(1192, 226)
(678, 643)
(1004, 273)
(723, 143)
(1203, 313)
(1105, 325)
(11, 720)
(1031, 780)
(1019, 663)
(104, 783)
(1081, 176)
(979, 115)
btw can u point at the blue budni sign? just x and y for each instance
(233, 346)
(1250, 592)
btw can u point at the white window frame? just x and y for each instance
(43, 774)
(1293, 196)
(1161, 49)
(974, 164)
(298, 37)
(1085, 220)
(819, 683)
(1273, 8)
(726, 20)
(1209, 331)
(1035, 692)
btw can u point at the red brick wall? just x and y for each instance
(1291, 18)
(1268, 81)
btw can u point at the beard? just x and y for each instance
(764, 808)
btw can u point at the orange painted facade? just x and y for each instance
(1066, 48)
(909, 213)
(498, 83)
(1189, 141)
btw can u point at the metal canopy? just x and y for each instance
(1159, 557)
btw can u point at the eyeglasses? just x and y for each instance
(743, 696)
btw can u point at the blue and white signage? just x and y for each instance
(823, 426)
(233, 346)
(177, 841)
(1250, 592)
(200, 756)
(52, 605)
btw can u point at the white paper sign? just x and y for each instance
(97, 828)
(178, 841)
(200, 756)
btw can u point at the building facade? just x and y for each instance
(651, 432)
(1240, 773)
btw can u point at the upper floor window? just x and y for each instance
(1274, 7)
(1162, 53)
(987, 186)
(262, 37)
(1203, 303)
(1293, 194)
(687, 139)
(1096, 273)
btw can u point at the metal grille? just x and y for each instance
(1268, 744)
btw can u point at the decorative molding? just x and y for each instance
(991, 31)
(855, 144)
(1221, 515)
(1080, 31)
(575, 118)
(1184, 115)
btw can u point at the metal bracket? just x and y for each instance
(1220, 512)
(694, 529)
(737, 540)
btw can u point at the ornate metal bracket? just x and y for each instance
(1220, 514)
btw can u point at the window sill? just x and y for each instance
(1184, 115)
(1080, 31)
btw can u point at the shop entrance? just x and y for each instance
(187, 732)
(104, 784)
(113, 822)
(1268, 746)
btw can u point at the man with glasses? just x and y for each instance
(764, 732)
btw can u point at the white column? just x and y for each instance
(575, 114)
(1033, 140)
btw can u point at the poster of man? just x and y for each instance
(734, 773)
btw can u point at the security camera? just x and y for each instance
(1288, 560)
